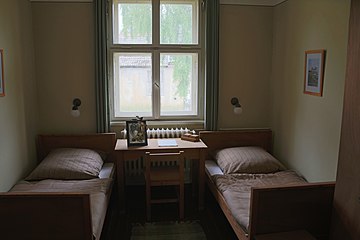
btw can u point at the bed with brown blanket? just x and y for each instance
(257, 194)
(67, 195)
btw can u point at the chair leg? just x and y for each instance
(148, 202)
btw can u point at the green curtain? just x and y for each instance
(212, 64)
(102, 100)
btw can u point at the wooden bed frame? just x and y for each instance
(58, 215)
(276, 208)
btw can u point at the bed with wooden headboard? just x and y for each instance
(274, 206)
(61, 209)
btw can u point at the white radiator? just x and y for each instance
(163, 133)
(134, 169)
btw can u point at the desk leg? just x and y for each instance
(201, 180)
(195, 177)
(120, 175)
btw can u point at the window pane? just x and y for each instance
(132, 22)
(132, 84)
(179, 22)
(179, 84)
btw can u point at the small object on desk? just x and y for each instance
(190, 137)
(167, 143)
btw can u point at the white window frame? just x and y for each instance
(156, 49)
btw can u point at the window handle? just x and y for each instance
(157, 84)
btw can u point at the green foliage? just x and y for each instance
(176, 23)
(136, 21)
(175, 28)
(182, 65)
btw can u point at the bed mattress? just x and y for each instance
(98, 188)
(236, 188)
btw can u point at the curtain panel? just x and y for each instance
(102, 99)
(212, 64)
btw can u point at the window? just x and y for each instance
(156, 55)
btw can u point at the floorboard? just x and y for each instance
(212, 220)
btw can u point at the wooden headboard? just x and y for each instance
(216, 140)
(104, 142)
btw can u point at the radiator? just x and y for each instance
(163, 133)
(134, 169)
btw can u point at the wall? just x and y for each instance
(18, 109)
(65, 56)
(307, 128)
(261, 63)
(245, 65)
(64, 43)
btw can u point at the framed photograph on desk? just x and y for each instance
(136, 133)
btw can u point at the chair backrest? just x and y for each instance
(165, 159)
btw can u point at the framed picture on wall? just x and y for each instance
(136, 133)
(2, 87)
(314, 72)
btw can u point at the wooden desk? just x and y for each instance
(192, 151)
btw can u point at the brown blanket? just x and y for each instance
(236, 189)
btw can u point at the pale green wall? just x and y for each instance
(307, 128)
(245, 65)
(261, 62)
(18, 109)
(65, 69)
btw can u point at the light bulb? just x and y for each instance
(75, 113)
(238, 110)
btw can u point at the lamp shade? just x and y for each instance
(75, 113)
(238, 110)
(236, 105)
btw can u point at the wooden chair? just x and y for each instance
(158, 173)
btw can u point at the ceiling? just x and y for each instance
(77, 1)
(236, 2)
(253, 2)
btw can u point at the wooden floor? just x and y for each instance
(211, 219)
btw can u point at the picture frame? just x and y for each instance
(314, 72)
(2, 86)
(136, 134)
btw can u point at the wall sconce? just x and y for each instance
(237, 107)
(75, 112)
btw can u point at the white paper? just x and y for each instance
(167, 142)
